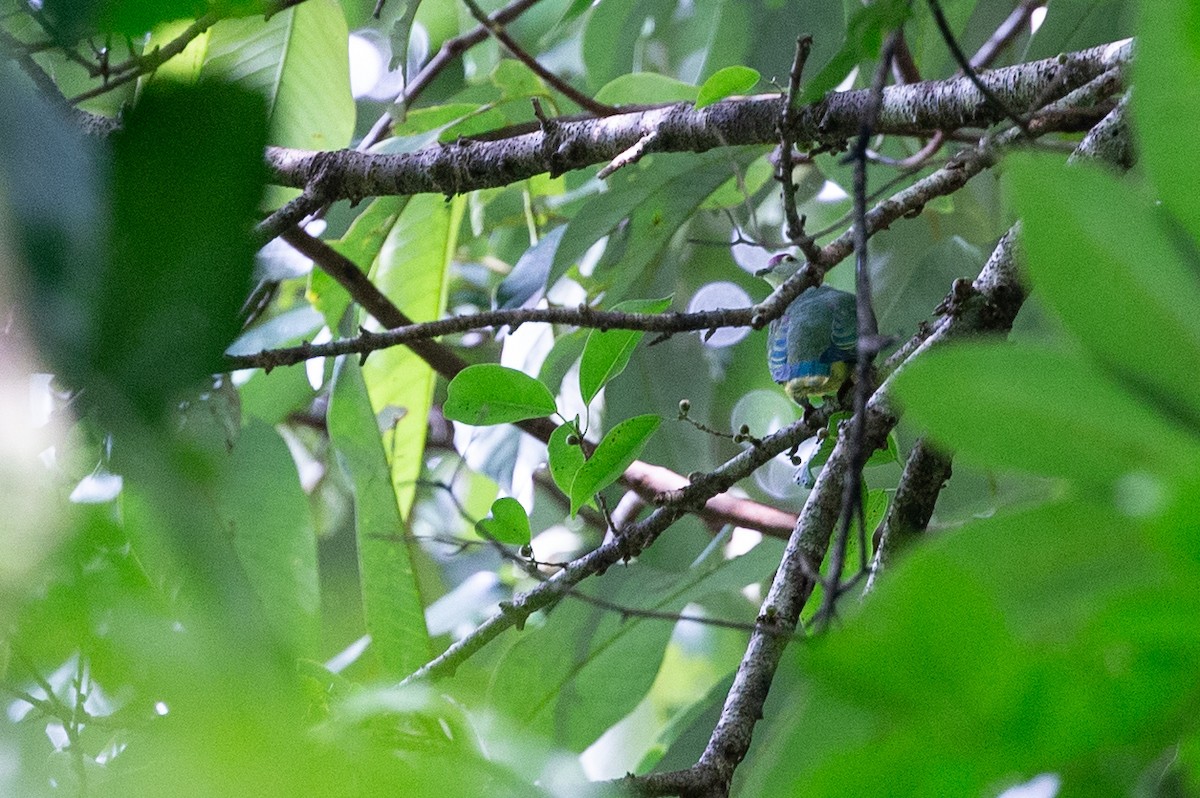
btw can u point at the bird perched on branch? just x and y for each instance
(813, 345)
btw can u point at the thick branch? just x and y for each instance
(912, 109)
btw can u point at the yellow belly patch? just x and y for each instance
(818, 385)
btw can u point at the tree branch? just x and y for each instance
(648, 481)
(632, 541)
(912, 109)
(906, 202)
(989, 305)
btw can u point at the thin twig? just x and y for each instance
(867, 347)
(146, 64)
(518, 52)
(450, 49)
(787, 142)
(965, 65)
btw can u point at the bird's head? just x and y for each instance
(779, 268)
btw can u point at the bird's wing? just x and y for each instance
(843, 327)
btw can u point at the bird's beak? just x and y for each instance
(764, 271)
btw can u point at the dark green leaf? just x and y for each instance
(1039, 411)
(616, 451)
(528, 278)
(1101, 259)
(1167, 75)
(725, 83)
(864, 36)
(606, 353)
(187, 182)
(487, 394)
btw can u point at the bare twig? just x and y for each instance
(787, 142)
(450, 49)
(867, 347)
(968, 70)
(147, 63)
(1005, 33)
(566, 89)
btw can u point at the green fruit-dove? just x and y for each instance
(813, 345)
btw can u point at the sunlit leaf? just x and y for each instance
(726, 83)
(507, 523)
(616, 451)
(395, 614)
(486, 394)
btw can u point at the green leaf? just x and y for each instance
(1100, 258)
(486, 394)
(725, 83)
(392, 605)
(1007, 628)
(412, 271)
(507, 523)
(877, 505)
(299, 59)
(606, 353)
(1039, 411)
(185, 180)
(587, 667)
(361, 244)
(528, 277)
(641, 88)
(517, 81)
(400, 34)
(657, 203)
(889, 454)
(565, 459)
(616, 451)
(1166, 74)
(266, 515)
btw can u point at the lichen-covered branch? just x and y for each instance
(912, 109)
(907, 202)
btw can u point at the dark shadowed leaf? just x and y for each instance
(187, 174)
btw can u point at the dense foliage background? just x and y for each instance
(347, 575)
